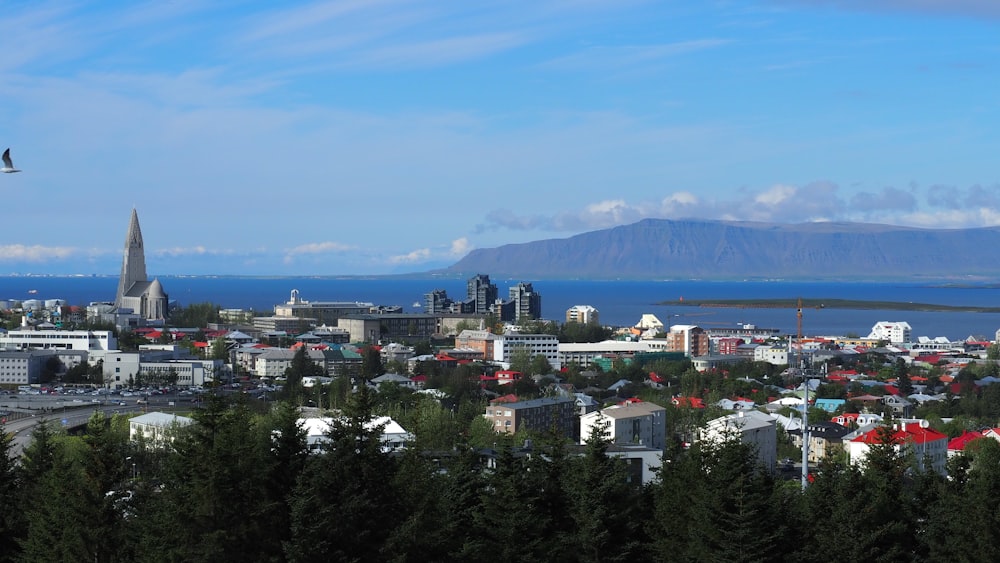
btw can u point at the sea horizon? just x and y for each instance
(619, 302)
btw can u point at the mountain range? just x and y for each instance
(702, 249)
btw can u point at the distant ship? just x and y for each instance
(417, 305)
(32, 291)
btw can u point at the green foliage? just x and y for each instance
(196, 315)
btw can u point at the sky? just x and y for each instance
(363, 137)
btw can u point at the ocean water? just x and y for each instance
(621, 303)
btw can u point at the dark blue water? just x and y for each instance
(620, 303)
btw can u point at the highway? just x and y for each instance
(69, 411)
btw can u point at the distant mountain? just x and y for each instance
(686, 249)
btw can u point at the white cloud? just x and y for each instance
(35, 253)
(776, 195)
(616, 57)
(320, 248)
(419, 255)
(460, 247)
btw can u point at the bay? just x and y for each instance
(620, 302)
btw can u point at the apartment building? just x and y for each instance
(536, 414)
(690, 339)
(582, 314)
(631, 422)
(508, 344)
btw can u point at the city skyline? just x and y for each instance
(375, 137)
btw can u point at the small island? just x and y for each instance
(814, 303)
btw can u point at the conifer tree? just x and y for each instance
(345, 504)
(11, 522)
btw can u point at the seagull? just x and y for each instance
(8, 165)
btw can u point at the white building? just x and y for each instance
(505, 346)
(753, 427)
(584, 353)
(582, 314)
(772, 354)
(273, 362)
(648, 322)
(632, 422)
(896, 332)
(394, 436)
(59, 339)
(915, 439)
(157, 428)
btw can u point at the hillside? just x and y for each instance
(658, 248)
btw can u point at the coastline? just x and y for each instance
(814, 303)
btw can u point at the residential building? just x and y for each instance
(437, 301)
(273, 362)
(536, 414)
(480, 340)
(727, 346)
(631, 422)
(825, 438)
(752, 427)
(690, 339)
(582, 314)
(925, 447)
(317, 429)
(396, 352)
(506, 345)
(714, 362)
(896, 332)
(135, 292)
(156, 428)
(527, 303)
(481, 293)
(774, 354)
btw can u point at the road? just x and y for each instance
(70, 411)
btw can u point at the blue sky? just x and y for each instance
(369, 137)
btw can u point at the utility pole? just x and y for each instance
(805, 401)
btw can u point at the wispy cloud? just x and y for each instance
(781, 203)
(35, 253)
(416, 256)
(616, 57)
(977, 8)
(460, 247)
(442, 51)
(328, 247)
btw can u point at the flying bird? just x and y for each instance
(8, 165)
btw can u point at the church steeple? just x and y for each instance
(133, 261)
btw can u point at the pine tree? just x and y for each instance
(345, 504)
(602, 505)
(11, 521)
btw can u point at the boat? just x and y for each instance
(417, 305)
(32, 291)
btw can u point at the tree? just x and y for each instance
(602, 505)
(540, 365)
(11, 521)
(993, 351)
(902, 375)
(371, 363)
(220, 349)
(344, 506)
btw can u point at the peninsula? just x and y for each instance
(820, 303)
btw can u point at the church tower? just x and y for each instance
(135, 292)
(134, 260)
